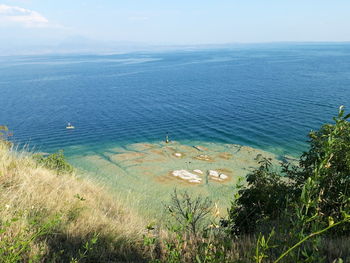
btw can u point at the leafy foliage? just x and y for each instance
(303, 202)
(55, 161)
(271, 195)
(329, 150)
(263, 199)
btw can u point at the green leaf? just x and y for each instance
(330, 221)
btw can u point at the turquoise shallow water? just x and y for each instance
(267, 96)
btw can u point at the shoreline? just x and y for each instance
(148, 172)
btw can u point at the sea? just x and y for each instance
(264, 96)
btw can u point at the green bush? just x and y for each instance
(55, 161)
(271, 195)
(263, 199)
(330, 147)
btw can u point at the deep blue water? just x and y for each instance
(268, 97)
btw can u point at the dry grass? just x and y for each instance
(29, 192)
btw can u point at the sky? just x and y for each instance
(28, 23)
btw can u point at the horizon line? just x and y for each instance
(147, 47)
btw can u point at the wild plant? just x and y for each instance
(87, 250)
(194, 232)
(312, 215)
(190, 213)
(55, 161)
(14, 246)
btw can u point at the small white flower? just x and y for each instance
(7, 206)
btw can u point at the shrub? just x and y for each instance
(263, 199)
(271, 195)
(55, 161)
(192, 233)
(329, 148)
(190, 213)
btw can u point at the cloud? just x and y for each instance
(25, 17)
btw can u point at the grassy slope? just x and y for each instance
(61, 213)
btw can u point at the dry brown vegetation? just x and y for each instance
(50, 217)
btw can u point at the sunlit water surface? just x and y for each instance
(268, 97)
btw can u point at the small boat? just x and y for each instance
(70, 126)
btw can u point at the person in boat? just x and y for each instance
(70, 126)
